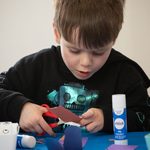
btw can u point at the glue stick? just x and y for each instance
(119, 119)
(26, 141)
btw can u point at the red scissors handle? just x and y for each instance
(51, 116)
(49, 113)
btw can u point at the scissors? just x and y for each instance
(53, 120)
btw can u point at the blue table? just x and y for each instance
(100, 141)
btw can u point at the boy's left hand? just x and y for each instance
(93, 120)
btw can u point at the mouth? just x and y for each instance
(83, 74)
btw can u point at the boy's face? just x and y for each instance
(83, 62)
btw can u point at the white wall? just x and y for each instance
(26, 27)
(134, 38)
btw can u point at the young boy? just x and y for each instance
(81, 74)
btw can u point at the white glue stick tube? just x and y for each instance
(25, 141)
(119, 119)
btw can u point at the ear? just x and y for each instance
(57, 35)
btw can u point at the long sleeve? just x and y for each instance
(16, 88)
(27, 81)
(11, 102)
(132, 83)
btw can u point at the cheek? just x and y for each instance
(98, 64)
(69, 59)
(101, 61)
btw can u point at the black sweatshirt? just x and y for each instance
(44, 78)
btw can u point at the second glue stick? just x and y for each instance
(26, 141)
(119, 119)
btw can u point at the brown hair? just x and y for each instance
(98, 21)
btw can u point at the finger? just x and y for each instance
(92, 127)
(31, 129)
(87, 114)
(85, 122)
(26, 130)
(46, 127)
(38, 129)
(94, 130)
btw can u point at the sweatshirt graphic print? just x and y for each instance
(74, 97)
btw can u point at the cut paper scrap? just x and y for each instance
(84, 140)
(122, 147)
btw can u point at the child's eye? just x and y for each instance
(98, 53)
(74, 51)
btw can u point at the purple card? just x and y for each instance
(122, 147)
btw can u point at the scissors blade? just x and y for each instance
(68, 123)
(73, 124)
(60, 121)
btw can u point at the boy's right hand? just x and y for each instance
(31, 119)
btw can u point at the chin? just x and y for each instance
(82, 78)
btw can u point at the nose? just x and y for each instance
(86, 60)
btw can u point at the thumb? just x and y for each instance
(43, 109)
